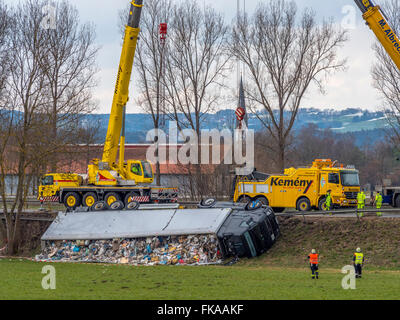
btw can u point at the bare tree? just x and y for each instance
(197, 62)
(196, 65)
(46, 76)
(25, 85)
(69, 65)
(284, 54)
(386, 75)
(149, 62)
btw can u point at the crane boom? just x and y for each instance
(121, 92)
(375, 19)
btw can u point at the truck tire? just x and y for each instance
(321, 204)
(116, 205)
(72, 200)
(253, 205)
(111, 197)
(133, 205)
(397, 201)
(89, 199)
(129, 196)
(303, 204)
(278, 209)
(263, 200)
(207, 203)
(98, 206)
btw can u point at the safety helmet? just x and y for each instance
(313, 251)
(358, 250)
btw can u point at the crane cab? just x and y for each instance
(139, 170)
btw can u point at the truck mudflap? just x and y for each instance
(167, 236)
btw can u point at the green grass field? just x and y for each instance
(21, 279)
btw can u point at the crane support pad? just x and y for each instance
(135, 224)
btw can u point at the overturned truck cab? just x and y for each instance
(205, 235)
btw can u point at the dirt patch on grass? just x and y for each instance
(336, 240)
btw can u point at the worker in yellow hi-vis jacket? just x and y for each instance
(358, 260)
(361, 202)
(378, 203)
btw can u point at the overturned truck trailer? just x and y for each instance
(168, 236)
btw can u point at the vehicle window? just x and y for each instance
(47, 181)
(350, 178)
(333, 178)
(136, 169)
(148, 172)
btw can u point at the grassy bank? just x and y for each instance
(336, 240)
(22, 280)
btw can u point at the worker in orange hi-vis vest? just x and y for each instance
(313, 258)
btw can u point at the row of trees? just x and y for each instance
(284, 52)
(375, 162)
(48, 68)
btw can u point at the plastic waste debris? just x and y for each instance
(171, 250)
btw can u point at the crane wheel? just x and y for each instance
(98, 206)
(72, 200)
(89, 199)
(117, 205)
(111, 197)
(133, 205)
(128, 198)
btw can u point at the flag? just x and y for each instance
(241, 112)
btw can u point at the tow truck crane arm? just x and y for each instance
(376, 20)
(121, 92)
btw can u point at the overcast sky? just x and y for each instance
(352, 88)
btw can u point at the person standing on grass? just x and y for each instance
(313, 258)
(358, 261)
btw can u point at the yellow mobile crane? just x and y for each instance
(108, 179)
(376, 20)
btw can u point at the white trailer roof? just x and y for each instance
(135, 224)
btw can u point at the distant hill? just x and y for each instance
(366, 126)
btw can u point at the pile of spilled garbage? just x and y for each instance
(161, 250)
(205, 235)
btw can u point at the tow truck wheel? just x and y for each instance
(72, 200)
(89, 199)
(321, 204)
(111, 197)
(303, 204)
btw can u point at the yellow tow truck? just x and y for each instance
(302, 188)
(107, 179)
